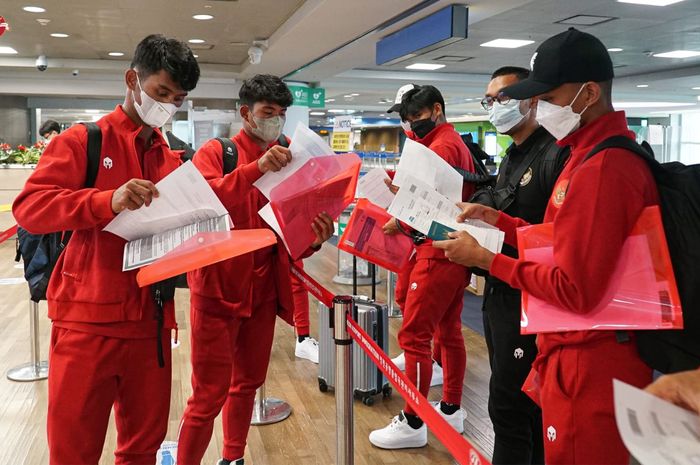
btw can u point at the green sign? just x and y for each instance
(308, 97)
(317, 97)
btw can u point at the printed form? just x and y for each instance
(418, 205)
(655, 432)
(372, 187)
(185, 206)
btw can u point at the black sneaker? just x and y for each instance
(228, 462)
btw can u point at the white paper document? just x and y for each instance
(141, 252)
(419, 162)
(305, 145)
(418, 205)
(185, 206)
(656, 432)
(184, 198)
(372, 187)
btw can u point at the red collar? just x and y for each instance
(595, 132)
(120, 120)
(435, 133)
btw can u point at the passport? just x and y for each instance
(438, 231)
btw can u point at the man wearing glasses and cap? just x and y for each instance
(525, 181)
(594, 206)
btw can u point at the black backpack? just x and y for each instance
(39, 252)
(671, 351)
(229, 152)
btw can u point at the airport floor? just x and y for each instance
(307, 437)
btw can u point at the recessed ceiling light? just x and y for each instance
(330, 100)
(203, 17)
(585, 20)
(92, 111)
(651, 2)
(317, 113)
(196, 41)
(348, 96)
(34, 9)
(507, 43)
(650, 104)
(59, 35)
(355, 95)
(7, 51)
(336, 110)
(678, 54)
(425, 66)
(382, 114)
(696, 88)
(615, 49)
(116, 54)
(642, 86)
(195, 55)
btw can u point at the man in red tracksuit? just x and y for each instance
(433, 302)
(234, 303)
(594, 206)
(103, 351)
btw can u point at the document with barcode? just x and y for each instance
(655, 432)
(141, 252)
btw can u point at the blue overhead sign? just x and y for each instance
(434, 31)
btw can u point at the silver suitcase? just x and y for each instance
(368, 380)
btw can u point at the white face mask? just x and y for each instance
(268, 129)
(559, 121)
(506, 117)
(151, 111)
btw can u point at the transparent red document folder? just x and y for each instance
(205, 249)
(365, 238)
(323, 184)
(642, 293)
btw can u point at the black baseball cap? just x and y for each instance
(572, 56)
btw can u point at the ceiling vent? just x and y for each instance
(585, 20)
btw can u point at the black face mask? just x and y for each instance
(422, 127)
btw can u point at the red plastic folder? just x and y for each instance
(642, 293)
(205, 249)
(323, 184)
(364, 237)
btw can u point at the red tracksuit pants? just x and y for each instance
(401, 289)
(301, 304)
(433, 307)
(578, 413)
(229, 362)
(89, 375)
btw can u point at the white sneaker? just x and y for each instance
(308, 349)
(456, 420)
(399, 435)
(400, 361)
(436, 380)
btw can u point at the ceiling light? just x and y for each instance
(34, 9)
(330, 100)
(382, 114)
(196, 56)
(650, 104)
(92, 111)
(507, 43)
(651, 2)
(196, 41)
(348, 96)
(678, 54)
(59, 35)
(425, 66)
(336, 110)
(355, 95)
(317, 113)
(696, 88)
(7, 51)
(116, 54)
(202, 17)
(615, 49)
(585, 20)
(642, 86)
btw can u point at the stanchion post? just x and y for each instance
(342, 306)
(36, 369)
(268, 410)
(394, 310)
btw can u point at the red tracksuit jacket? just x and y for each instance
(227, 287)
(88, 289)
(447, 143)
(591, 222)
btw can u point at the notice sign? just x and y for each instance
(342, 128)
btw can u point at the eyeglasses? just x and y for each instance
(487, 101)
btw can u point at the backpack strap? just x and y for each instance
(475, 178)
(94, 152)
(229, 153)
(623, 142)
(282, 140)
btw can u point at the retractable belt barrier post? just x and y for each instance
(36, 369)
(268, 410)
(464, 452)
(394, 310)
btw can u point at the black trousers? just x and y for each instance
(517, 420)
